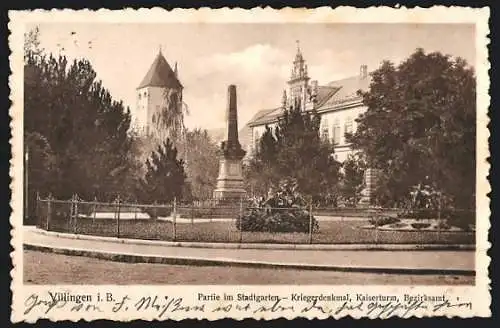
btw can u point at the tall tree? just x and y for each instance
(353, 181)
(296, 151)
(170, 122)
(165, 176)
(32, 43)
(86, 130)
(261, 170)
(201, 162)
(304, 155)
(421, 125)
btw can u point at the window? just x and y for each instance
(324, 130)
(348, 125)
(139, 96)
(336, 132)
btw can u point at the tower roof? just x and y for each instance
(160, 74)
(298, 55)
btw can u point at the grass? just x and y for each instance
(330, 232)
(50, 268)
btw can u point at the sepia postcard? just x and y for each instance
(249, 163)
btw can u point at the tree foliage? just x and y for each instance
(199, 153)
(260, 172)
(169, 122)
(353, 181)
(295, 150)
(32, 43)
(84, 128)
(165, 176)
(421, 124)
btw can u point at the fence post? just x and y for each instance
(135, 210)
(71, 208)
(37, 207)
(174, 215)
(75, 221)
(174, 220)
(439, 218)
(94, 210)
(49, 211)
(240, 219)
(310, 223)
(118, 217)
(155, 210)
(192, 213)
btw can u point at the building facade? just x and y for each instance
(337, 102)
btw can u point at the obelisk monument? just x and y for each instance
(230, 180)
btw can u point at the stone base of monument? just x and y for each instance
(229, 191)
(223, 196)
(370, 184)
(230, 181)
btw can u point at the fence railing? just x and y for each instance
(217, 220)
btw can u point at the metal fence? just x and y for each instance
(216, 220)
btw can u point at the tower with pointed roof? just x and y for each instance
(299, 79)
(159, 83)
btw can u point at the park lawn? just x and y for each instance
(330, 232)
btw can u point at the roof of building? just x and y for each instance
(325, 92)
(160, 74)
(265, 116)
(347, 90)
(329, 97)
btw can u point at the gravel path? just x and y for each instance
(49, 268)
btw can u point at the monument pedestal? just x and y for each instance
(230, 180)
(370, 184)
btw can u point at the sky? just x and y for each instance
(257, 58)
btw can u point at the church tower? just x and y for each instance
(160, 86)
(298, 83)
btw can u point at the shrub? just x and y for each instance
(381, 221)
(282, 220)
(281, 212)
(420, 225)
